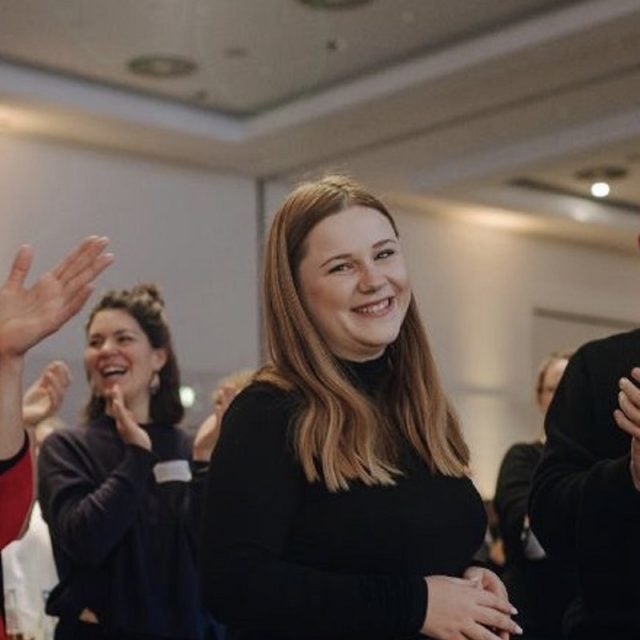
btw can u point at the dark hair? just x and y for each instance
(146, 306)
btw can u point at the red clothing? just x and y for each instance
(16, 492)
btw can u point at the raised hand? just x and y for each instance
(130, 431)
(44, 397)
(27, 315)
(209, 431)
(627, 417)
(462, 608)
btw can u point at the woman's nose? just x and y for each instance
(107, 346)
(371, 279)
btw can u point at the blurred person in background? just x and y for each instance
(539, 586)
(28, 566)
(223, 394)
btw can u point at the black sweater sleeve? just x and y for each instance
(88, 518)
(253, 492)
(512, 494)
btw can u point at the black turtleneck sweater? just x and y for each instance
(284, 558)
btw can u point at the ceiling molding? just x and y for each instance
(48, 88)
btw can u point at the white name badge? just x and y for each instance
(172, 471)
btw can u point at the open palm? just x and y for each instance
(27, 315)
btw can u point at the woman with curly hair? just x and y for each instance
(122, 492)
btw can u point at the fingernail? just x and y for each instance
(518, 630)
(514, 611)
(623, 383)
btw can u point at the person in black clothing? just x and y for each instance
(338, 502)
(539, 586)
(121, 493)
(585, 498)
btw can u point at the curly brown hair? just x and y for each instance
(145, 304)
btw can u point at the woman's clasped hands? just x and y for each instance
(474, 607)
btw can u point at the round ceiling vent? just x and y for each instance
(162, 66)
(334, 4)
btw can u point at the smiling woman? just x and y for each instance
(338, 502)
(354, 283)
(122, 493)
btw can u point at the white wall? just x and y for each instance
(194, 233)
(191, 231)
(477, 288)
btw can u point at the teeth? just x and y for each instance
(375, 308)
(112, 371)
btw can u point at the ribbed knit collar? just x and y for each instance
(367, 375)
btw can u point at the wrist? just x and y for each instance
(28, 420)
(202, 454)
(11, 363)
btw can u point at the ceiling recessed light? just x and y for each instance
(162, 66)
(187, 396)
(334, 4)
(600, 189)
(335, 44)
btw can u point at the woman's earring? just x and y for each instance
(154, 385)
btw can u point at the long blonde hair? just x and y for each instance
(340, 433)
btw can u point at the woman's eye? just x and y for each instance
(343, 266)
(125, 339)
(386, 253)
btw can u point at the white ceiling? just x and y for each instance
(462, 107)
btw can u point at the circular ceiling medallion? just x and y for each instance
(162, 66)
(334, 4)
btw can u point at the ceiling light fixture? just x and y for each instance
(335, 44)
(334, 4)
(600, 189)
(601, 177)
(162, 66)
(187, 396)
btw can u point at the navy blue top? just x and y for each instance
(123, 541)
(285, 558)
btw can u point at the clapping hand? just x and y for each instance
(209, 431)
(627, 417)
(44, 397)
(130, 431)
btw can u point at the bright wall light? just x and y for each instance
(187, 396)
(600, 189)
